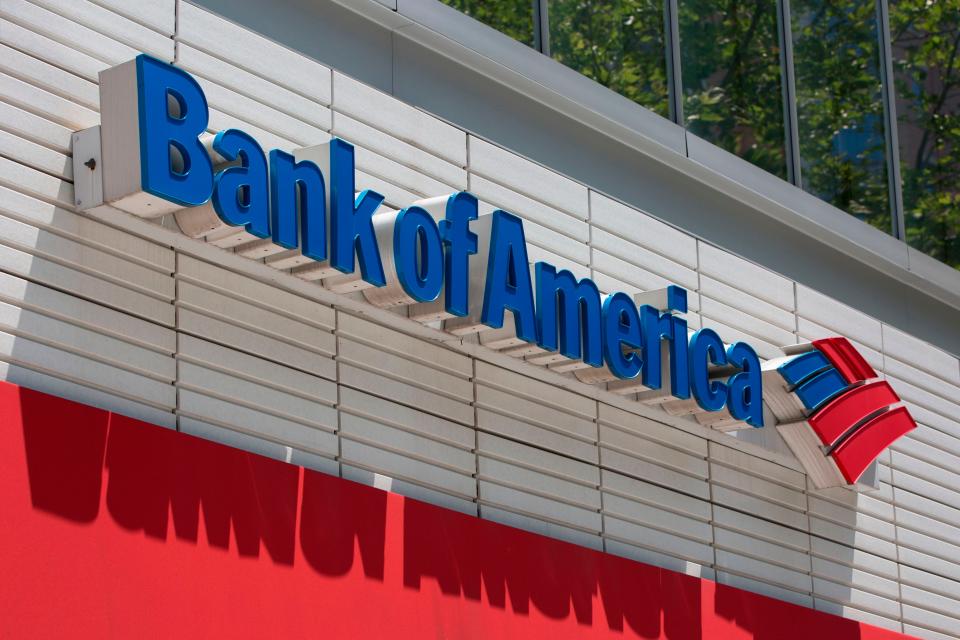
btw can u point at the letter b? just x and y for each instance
(172, 116)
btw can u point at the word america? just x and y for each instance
(312, 206)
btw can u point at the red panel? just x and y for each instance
(846, 359)
(849, 408)
(114, 528)
(855, 454)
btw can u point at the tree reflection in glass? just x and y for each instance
(925, 36)
(840, 106)
(512, 17)
(732, 90)
(618, 43)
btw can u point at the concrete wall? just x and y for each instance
(135, 317)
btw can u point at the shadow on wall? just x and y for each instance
(253, 545)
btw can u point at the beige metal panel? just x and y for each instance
(114, 25)
(36, 156)
(70, 390)
(63, 306)
(838, 317)
(267, 295)
(84, 230)
(405, 370)
(548, 439)
(926, 505)
(842, 567)
(529, 178)
(35, 128)
(406, 418)
(396, 173)
(634, 277)
(855, 604)
(643, 258)
(43, 271)
(406, 468)
(256, 396)
(253, 52)
(159, 15)
(764, 571)
(652, 430)
(404, 153)
(635, 467)
(638, 535)
(254, 87)
(752, 278)
(405, 393)
(657, 559)
(69, 32)
(409, 489)
(265, 116)
(636, 445)
(256, 370)
(59, 110)
(259, 446)
(561, 466)
(543, 527)
(49, 50)
(257, 423)
(255, 343)
(406, 443)
(253, 318)
(496, 196)
(746, 503)
(542, 415)
(713, 311)
(747, 545)
(657, 518)
(850, 537)
(433, 355)
(536, 482)
(84, 258)
(643, 230)
(729, 295)
(639, 492)
(25, 352)
(930, 442)
(48, 77)
(401, 120)
(906, 348)
(86, 343)
(535, 390)
(540, 507)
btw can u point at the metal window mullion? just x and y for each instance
(789, 81)
(674, 72)
(898, 222)
(541, 27)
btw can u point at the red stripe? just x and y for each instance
(114, 528)
(846, 359)
(856, 453)
(847, 409)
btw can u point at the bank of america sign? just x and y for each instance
(443, 261)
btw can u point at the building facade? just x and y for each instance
(651, 515)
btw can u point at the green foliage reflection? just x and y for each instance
(618, 43)
(926, 49)
(732, 95)
(840, 106)
(512, 17)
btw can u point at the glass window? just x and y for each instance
(512, 17)
(732, 96)
(618, 43)
(925, 37)
(840, 113)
